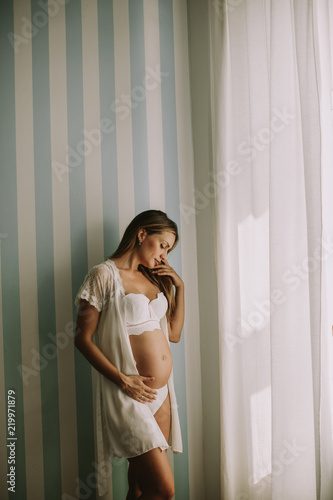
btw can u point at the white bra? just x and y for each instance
(143, 314)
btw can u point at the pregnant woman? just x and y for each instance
(133, 306)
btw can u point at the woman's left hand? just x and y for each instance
(166, 270)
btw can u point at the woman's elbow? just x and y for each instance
(80, 340)
(174, 337)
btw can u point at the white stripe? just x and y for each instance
(62, 250)
(92, 139)
(27, 255)
(123, 114)
(189, 254)
(154, 105)
(330, 35)
(92, 133)
(3, 398)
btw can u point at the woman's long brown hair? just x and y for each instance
(153, 221)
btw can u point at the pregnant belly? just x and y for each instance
(153, 358)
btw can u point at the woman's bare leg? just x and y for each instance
(157, 485)
(156, 480)
(163, 417)
(134, 491)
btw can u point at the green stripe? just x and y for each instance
(9, 244)
(138, 101)
(119, 478)
(109, 143)
(78, 224)
(44, 253)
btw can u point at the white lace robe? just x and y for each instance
(123, 427)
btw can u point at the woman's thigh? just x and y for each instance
(153, 471)
(163, 417)
(153, 465)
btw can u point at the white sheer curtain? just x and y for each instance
(272, 162)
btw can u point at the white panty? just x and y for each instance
(161, 396)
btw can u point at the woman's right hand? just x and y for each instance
(134, 386)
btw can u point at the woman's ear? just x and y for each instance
(141, 234)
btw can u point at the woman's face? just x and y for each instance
(154, 247)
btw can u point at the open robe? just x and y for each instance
(123, 427)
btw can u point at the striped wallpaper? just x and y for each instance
(95, 128)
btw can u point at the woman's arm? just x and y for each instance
(86, 323)
(177, 320)
(176, 325)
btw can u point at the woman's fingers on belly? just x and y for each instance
(153, 358)
(149, 393)
(155, 366)
(148, 389)
(136, 388)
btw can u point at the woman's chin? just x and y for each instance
(150, 264)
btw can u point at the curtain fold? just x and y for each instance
(272, 160)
